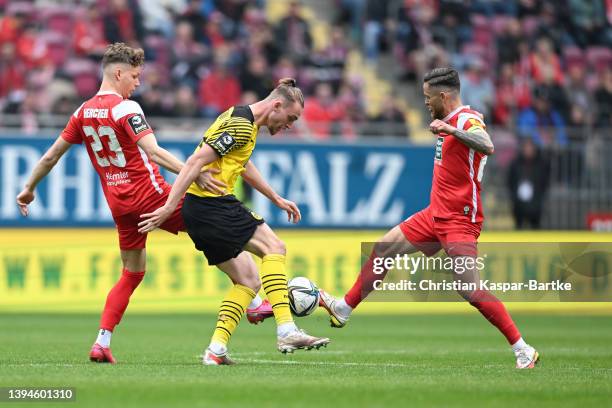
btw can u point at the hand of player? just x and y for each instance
(293, 212)
(23, 199)
(207, 181)
(439, 126)
(154, 219)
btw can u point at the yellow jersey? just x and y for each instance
(232, 136)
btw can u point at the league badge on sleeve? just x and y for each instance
(224, 143)
(138, 124)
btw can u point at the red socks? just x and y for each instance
(364, 283)
(495, 312)
(118, 298)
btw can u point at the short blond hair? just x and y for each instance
(288, 90)
(124, 54)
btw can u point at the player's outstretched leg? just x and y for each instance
(116, 302)
(340, 309)
(266, 244)
(495, 312)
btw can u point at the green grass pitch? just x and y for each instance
(377, 361)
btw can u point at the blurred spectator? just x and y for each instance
(508, 42)
(545, 62)
(603, 99)
(555, 94)
(123, 22)
(12, 76)
(576, 92)
(257, 77)
(11, 27)
(528, 8)
(185, 103)
(261, 42)
(352, 12)
(528, 177)
(213, 30)
(588, 20)
(32, 47)
(376, 16)
(512, 95)
(193, 14)
(219, 88)
(187, 55)
(477, 88)
(452, 27)
(390, 122)
(320, 111)
(549, 25)
(89, 40)
(293, 33)
(542, 123)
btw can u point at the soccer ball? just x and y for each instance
(303, 296)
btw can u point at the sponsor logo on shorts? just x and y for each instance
(256, 216)
(138, 124)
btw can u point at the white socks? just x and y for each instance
(285, 329)
(255, 303)
(104, 338)
(519, 345)
(343, 308)
(217, 348)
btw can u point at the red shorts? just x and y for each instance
(429, 234)
(127, 224)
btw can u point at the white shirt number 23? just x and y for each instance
(103, 159)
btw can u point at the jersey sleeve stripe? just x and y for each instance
(145, 160)
(464, 117)
(126, 108)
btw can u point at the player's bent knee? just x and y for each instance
(276, 247)
(252, 282)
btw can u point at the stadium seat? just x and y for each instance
(599, 57)
(56, 46)
(59, 19)
(573, 55)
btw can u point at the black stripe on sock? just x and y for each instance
(274, 290)
(224, 329)
(231, 306)
(237, 304)
(269, 287)
(229, 316)
(234, 315)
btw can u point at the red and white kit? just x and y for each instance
(110, 126)
(455, 211)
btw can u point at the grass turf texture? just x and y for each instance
(416, 360)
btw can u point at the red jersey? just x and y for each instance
(110, 126)
(458, 169)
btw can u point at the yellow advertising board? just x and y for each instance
(71, 270)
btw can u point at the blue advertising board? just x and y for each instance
(335, 186)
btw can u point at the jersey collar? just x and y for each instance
(109, 93)
(453, 113)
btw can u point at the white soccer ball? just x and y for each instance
(303, 296)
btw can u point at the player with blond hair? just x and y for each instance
(226, 231)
